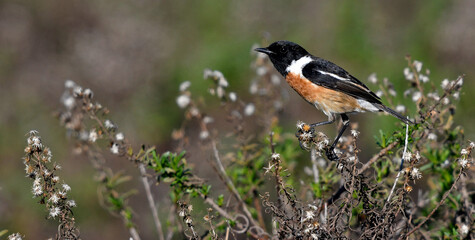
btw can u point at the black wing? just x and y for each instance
(329, 75)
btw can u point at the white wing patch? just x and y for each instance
(296, 67)
(366, 106)
(333, 75)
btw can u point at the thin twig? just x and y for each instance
(227, 234)
(151, 201)
(133, 233)
(230, 184)
(402, 163)
(377, 156)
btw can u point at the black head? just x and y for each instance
(282, 53)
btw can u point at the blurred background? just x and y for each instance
(134, 55)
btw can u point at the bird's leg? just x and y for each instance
(330, 151)
(331, 120)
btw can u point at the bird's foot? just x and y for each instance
(331, 155)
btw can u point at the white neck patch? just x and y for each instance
(296, 67)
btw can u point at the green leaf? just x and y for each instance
(3, 232)
(220, 200)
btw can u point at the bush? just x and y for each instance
(271, 188)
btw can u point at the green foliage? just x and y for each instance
(172, 168)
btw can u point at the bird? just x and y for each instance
(325, 85)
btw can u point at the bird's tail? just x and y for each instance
(392, 112)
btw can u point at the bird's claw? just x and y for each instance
(331, 155)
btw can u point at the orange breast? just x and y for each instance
(329, 101)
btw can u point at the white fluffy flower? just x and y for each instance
(464, 228)
(423, 78)
(464, 151)
(54, 211)
(77, 91)
(232, 96)
(119, 136)
(309, 215)
(400, 108)
(181, 213)
(392, 92)
(407, 156)
(185, 85)
(464, 162)
(254, 88)
(445, 83)
(418, 65)
(418, 156)
(372, 78)
(54, 198)
(456, 95)
(194, 111)
(68, 102)
(71, 203)
(183, 100)
(204, 135)
(35, 142)
(15, 236)
(69, 84)
(207, 120)
(434, 96)
(416, 96)
(249, 109)
(115, 148)
(108, 124)
(408, 74)
(415, 173)
(445, 101)
(220, 91)
(92, 135)
(55, 178)
(66, 187)
(37, 190)
(88, 93)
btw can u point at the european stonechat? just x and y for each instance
(325, 85)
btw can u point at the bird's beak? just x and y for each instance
(264, 50)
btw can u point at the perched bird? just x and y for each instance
(325, 85)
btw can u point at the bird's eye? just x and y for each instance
(283, 49)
